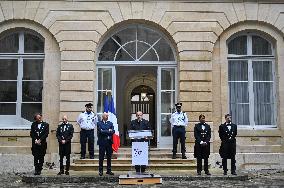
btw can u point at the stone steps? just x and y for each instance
(128, 161)
(163, 155)
(129, 167)
(159, 160)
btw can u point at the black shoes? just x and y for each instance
(37, 173)
(60, 173)
(208, 173)
(82, 157)
(110, 173)
(234, 173)
(184, 157)
(92, 157)
(198, 173)
(174, 156)
(225, 173)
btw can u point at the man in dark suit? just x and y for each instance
(202, 135)
(105, 130)
(39, 133)
(140, 124)
(227, 134)
(64, 135)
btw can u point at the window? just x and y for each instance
(21, 78)
(251, 81)
(136, 43)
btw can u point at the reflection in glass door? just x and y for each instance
(105, 82)
(166, 100)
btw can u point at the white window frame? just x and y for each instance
(20, 56)
(113, 84)
(250, 58)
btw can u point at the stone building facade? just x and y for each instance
(215, 57)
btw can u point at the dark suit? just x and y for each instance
(39, 150)
(202, 151)
(228, 145)
(64, 132)
(105, 143)
(140, 125)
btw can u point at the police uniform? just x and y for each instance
(64, 132)
(39, 130)
(227, 134)
(179, 121)
(105, 144)
(87, 122)
(143, 124)
(202, 134)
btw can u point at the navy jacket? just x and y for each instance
(104, 135)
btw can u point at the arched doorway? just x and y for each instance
(124, 57)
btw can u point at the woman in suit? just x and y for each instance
(202, 135)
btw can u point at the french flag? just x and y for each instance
(110, 109)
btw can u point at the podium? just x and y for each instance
(140, 156)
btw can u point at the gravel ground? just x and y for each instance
(265, 178)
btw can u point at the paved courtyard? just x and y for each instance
(262, 179)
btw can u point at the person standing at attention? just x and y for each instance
(179, 121)
(87, 121)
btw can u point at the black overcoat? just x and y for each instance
(228, 140)
(64, 134)
(41, 134)
(202, 151)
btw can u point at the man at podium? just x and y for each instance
(140, 124)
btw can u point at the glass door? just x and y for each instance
(105, 85)
(165, 104)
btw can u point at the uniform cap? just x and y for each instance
(88, 105)
(179, 104)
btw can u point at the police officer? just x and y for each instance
(202, 135)
(105, 130)
(87, 121)
(64, 134)
(140, 124)
(39, 132)
(179, 121)
(227, 134)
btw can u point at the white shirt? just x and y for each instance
(39, 125)
(87, 121)
(229, 126)
(179, 119)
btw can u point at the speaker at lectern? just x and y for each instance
(140, 146)
(140, 157)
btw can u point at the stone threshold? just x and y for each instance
(115, 179)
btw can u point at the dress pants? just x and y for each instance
(233, 164)
(199, 164)
(178, 133)
(105, 149)
(38, 162)
(84, 136)
(67, 163)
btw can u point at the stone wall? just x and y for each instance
(74, 30)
